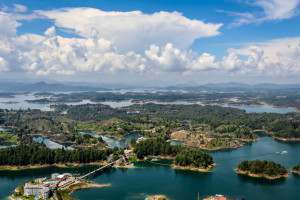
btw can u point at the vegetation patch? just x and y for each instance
(266, 169)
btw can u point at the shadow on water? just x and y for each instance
(260, 181)
(192, 174)
(295, 175)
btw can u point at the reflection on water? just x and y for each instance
(262, 109)
(112, 142)
(7, 144)
(150, 178)
(260, 181)
(51, 144)
(176, 142)
(117, 104)
(19, 102)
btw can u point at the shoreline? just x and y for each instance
(295, 172)
(15, 168)
(278, 138)
(286, 139)
(157, 197)
(214, 149)
(69, 190)
(208, 169)
(261, 175)
(78, 186)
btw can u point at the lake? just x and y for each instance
(111, 141)
(50, 144)
(262, 109)
(19, 102)
(150, 178)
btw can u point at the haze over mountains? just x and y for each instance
(59, 87)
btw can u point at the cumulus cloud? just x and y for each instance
(3, 65)
(278, 57)
(133, 31)
(271, 10)
(97, 52)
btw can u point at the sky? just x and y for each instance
(150, 41)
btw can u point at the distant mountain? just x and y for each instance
(226, 85)
(277, 86)
(83, 86)
(46, 87)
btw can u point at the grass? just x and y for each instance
(63, 195)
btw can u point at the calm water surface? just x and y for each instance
(20, 103)
(262, 109)
(50, 144)
(111, 141)
(149, 178)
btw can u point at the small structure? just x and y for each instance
(40, 180)
(128, 153)
(216, 197)
(67, 174)
(39, 190)
(140, 139)
(54, 176)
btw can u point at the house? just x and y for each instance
(128, 153)
(40, 180)
(140, 139)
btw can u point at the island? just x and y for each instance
(184, 157)
(156, 197)
(296, 169)
(265, 169)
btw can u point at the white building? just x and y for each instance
(54, 176)
(38, 190)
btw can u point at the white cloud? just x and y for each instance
(277, 9)
(50, 54)
(278, 57)
(19, 8)
(271, 10)
(7, 26)
(3, 65)
(133, 31)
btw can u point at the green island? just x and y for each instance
(156, 197)
(296, 169)
(265, 169)
(215, 96)
(184, 157)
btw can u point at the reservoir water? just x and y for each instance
(50, 144)
(262, 109)
(19, 102)
(111, 141)
(150, 178)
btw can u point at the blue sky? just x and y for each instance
(177, 41)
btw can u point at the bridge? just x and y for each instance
(98, 170)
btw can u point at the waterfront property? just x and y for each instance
(44, 188)
(216, 197)
(39, 190)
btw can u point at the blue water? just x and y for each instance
(114, 142)
(262, 109)
(150, 178)
(50, 144)
(181, 185)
